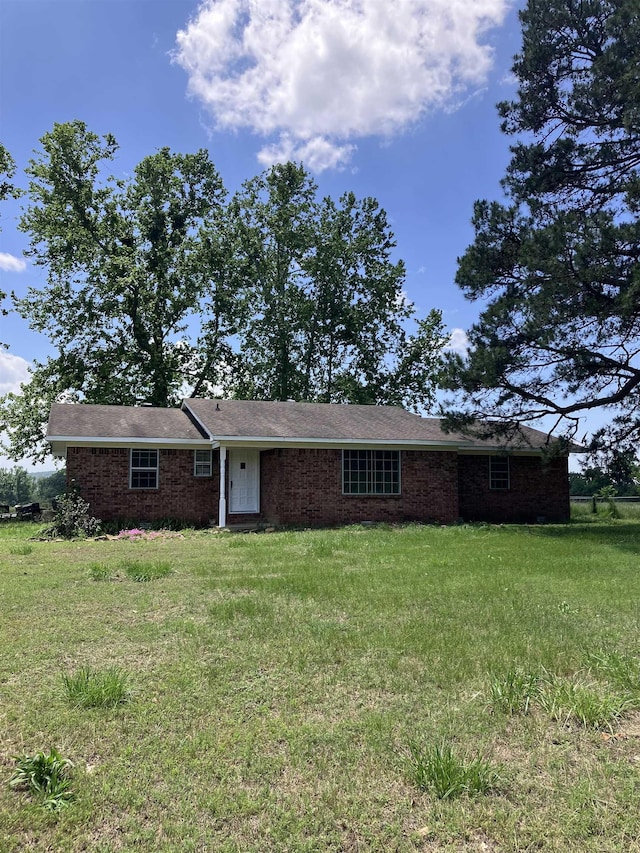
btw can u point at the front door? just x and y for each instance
(244, 480)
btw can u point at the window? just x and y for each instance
(144, 469)
(201, 463)
(371, 472)
(499, 472)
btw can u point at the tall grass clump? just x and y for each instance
(99, 572)
(513, 692)
(46, 777)
(569, 701)
(89, 688)
(439, 770)
(142, 571)
(620, 669)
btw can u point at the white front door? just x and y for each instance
(244, 480)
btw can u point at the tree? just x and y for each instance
(52, 486)
(16, 486)
(328, 314)
(558, 264)
(7, 190)
(157, 289)
(135, 302)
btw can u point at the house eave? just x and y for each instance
(272, 442)
(61, 442)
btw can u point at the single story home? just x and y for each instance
(242, 462)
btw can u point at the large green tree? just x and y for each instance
(557, 266)
(136, 304)
(158, 288)
(327, 319)
(7, 190)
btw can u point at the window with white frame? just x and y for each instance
(499, 472)
(143, 469)
(371, 472)
(201, 463)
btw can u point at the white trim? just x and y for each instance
(269, 442)
(222, 502)
(155, 468)
(208, 451)
(184, 406)
(255, 511)
(493, 458)
(127, 441)
(373, 494)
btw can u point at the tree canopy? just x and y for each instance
(7, 190)
(327, 314)
(159, 287)
(557, 266)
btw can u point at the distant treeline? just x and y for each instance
(17, 486)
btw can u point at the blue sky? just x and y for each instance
(393, 100)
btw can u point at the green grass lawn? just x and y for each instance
(280, 690)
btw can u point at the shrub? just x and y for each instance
(438, 769)
(89, 688)
(72, 519)
(46, 777)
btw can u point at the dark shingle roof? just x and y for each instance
(258, 419)
(81, 420)
(255, 419)
(312, 420)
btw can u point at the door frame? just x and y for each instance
(251, 456)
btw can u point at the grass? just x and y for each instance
(438, 769)
(89, 688)
(279, 679)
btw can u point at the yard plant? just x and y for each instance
(324, 690)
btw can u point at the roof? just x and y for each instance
(80, 420)
(263, 423)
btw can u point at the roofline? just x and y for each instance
(185, 407)
(337, 443)
(124, 441)
(273, 441)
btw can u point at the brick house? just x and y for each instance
(229, 462)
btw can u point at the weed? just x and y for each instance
(438, 769)
(99, 572)
(45, 776)
(138, 570)
(621, 670)
(90, 688)
(21, 550)
(566, 700)
(513, 692)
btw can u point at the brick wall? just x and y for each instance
(304, 486)
(102, 476)
(538, 489)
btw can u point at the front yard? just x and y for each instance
(282, 685)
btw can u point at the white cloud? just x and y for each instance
(9, 263)
(318, 74)
(458, 342)
(13, 371)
